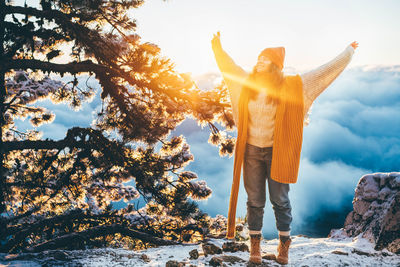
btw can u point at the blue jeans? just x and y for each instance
(256, 170)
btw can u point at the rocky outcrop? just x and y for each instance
(376, 211)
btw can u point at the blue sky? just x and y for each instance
(355, 123)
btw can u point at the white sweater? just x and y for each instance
(262, 114)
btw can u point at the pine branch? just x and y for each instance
(72, 67)
(47, 14)
(21, 231)
(113, 69)
(41, 144)
(96, 140)
(103, 230)
(64, 20)
(28, 34)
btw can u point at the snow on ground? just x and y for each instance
(304, 252)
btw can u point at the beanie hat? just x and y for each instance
(275, 54)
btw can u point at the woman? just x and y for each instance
(269, 110)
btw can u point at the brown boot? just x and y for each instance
(255, 251)
(283, 251)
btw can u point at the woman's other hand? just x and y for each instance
(216, 41)
(354, 45)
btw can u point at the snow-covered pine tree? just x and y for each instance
(58, 193)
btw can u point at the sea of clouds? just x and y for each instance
(354, 130)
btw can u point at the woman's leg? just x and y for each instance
(254, 178)
(279, 197)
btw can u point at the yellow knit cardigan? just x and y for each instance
(288, 136)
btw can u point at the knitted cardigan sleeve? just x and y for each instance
(318, 79)
(233, 74)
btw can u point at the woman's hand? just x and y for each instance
(216, 41)
(354, 45)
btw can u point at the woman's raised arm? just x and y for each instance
(227, 66)
(233, 75)
(318, 79)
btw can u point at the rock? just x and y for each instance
(372, 210)
(145, 258)
(216, 261)
(234, 247)
(369, 232)
(219, 260)
(379, 176)
(349, 218)
(252, 264)
(21, 256)
(60, 255)
(363, 253)
(368, 214)
(305, 236)
(376, 206)
(230, 259)
(390, 226)
(376, 211)
(361, 206)
(359, 192)
(172, 263)
(239, 227)
(270, 257)
(337, 234)
(370, 188)
(211, 249)
(394, 183)
(55, 254)
(194, 254)
(383, 180)
(338, 252)
(394, 246)
(384, 193)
